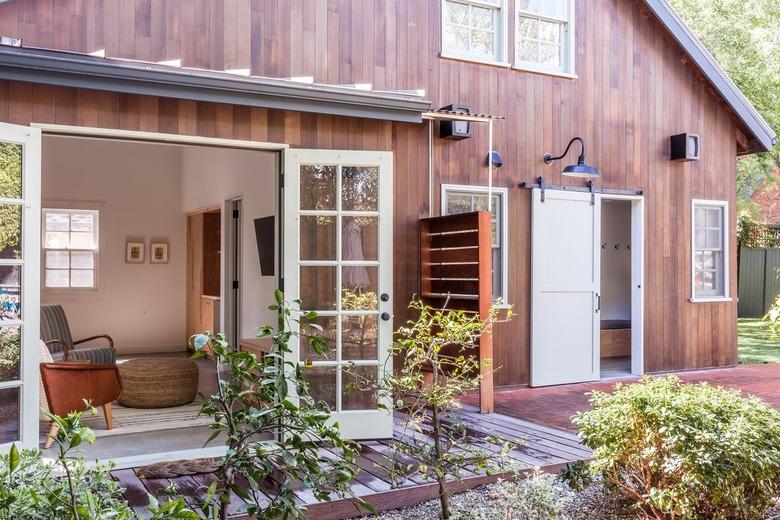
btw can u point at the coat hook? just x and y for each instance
(617, 246)
(604, 245)
(628, 246)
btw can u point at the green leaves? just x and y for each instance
(685, 451)
(253, 403)
(13, 458)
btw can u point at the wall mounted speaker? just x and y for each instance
(685, 147)
(455, 130)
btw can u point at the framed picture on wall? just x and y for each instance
(158, 253)
(134, 252)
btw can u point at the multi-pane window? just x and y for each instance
(70, 246)
(473, 29)
(709, 249)
(544, 35)
(465, 199)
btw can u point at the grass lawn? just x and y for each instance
(757, 343)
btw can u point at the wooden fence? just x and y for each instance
(759, 280)
(456, 269)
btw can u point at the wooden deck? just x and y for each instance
(541, 446)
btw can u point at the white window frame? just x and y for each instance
(71, 207)
(568, 67)
(500, 56)
(503, 231)
(725, 238)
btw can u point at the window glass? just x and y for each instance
(70, 243)
(542, 36)
(709, 254)
(460, 200)
(471, 29)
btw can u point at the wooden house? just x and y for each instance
(297, 144)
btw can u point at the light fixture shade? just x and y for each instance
(580, 170)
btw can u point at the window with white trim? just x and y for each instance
(544, 35)
(70, 247)
(473, 29)
(465, 199)
(710, 249)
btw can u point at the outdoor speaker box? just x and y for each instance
(455, 130)
(265, 234)
(685, 147)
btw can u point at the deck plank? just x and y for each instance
(541, 446)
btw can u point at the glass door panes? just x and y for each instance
(19, 194)
(339, 279)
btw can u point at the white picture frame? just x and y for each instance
(158, 253)
(135, 252)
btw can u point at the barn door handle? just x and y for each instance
(598, 302)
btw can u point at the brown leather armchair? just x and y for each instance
(67, 385)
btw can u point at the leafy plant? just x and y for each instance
(253, 402)
(773, 316)
(10, 352)
(440, 343)
(685, 451)
(537, 497)
(10, 187)
(68, 489)
(576, 475)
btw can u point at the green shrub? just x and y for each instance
(685, 451)
(576, 475)
(538, 497)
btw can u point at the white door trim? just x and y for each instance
(637, 278)
(362, 424)
(30, 289)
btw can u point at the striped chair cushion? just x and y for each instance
(54, 325)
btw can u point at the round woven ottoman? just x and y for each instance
(158, 382)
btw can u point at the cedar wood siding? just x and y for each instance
(633, 91)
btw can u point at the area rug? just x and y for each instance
(141, 420)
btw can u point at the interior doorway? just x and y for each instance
(620, 305)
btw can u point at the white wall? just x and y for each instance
(616, 263)
(213, 175)
(137, 189)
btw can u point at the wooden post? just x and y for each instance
(485, 304)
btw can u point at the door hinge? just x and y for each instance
(541, 187)
(235, 284)
(592, 187)
(598, 302)
(235, 213)
(281, 180)
(281, 284)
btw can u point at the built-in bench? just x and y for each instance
(615, 338)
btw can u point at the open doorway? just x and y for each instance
(133, 242)
(620, 337)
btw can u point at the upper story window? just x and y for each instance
(544, 35)
(70, 247)
(473, 29)
(465, 199)
(710, 250)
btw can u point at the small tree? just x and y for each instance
(440, 343)
(251, 404)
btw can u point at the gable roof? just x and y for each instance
(763, 134)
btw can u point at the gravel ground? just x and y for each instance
(592, 504)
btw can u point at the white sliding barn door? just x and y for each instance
(20, 265)
(338, 260)
(565, 281)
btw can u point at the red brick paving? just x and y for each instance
(553, 406)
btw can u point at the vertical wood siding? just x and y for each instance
(632, 92)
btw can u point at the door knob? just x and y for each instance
(384, 297)
(385, 316)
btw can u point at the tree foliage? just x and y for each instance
(10, 187)
(742, 36)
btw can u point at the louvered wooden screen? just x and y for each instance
(456, 269)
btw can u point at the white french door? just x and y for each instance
(565, 284)
(20, 222)
(338, 260)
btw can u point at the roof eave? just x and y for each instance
(132, 77)
(764, 136)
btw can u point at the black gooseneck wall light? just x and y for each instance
(581, 169)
